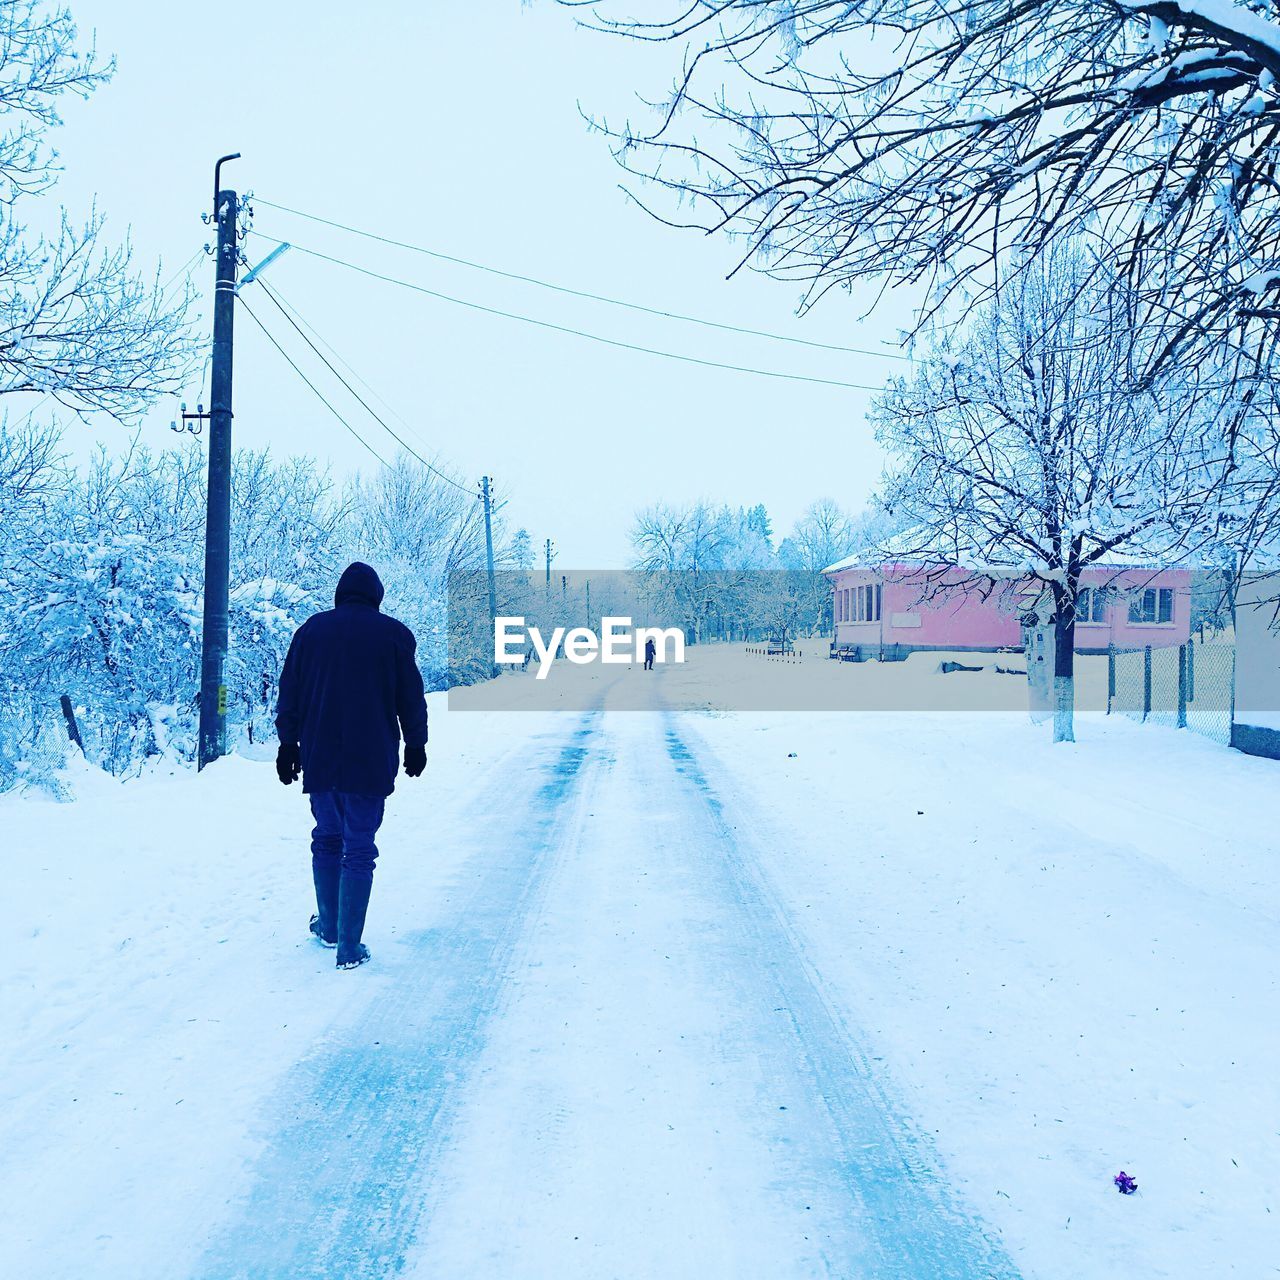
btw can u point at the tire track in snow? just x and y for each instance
(905, 1223)
(358, 1124)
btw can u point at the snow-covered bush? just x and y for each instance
(101, 576)
(113, 621)
(263, 616)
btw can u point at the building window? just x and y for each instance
(1091, 605)
(1154, 605)
(865, 604)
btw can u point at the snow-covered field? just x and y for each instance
(774, 994)
(1065, 955)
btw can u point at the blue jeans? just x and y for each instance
(342, 840)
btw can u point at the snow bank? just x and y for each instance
(160, 980)
(1065, 955)
(1063, 958)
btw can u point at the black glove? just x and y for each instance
(415, 760)
(288, 762)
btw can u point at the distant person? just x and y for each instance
(349, 688)
(650, 652)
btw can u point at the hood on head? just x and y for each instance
(359, 584)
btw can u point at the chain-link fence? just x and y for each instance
(33, 746)
(1181, 686)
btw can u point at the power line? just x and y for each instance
(346, 364)
(185, 269)
(358, 397)
(296, 318)
(560, 328)
(579, 293)
(319, 396)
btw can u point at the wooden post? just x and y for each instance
(1183, 661)
(1111, 676)
(73, 729)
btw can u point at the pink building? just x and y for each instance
(881, 609)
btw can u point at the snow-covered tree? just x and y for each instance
(1034, 446)
(288, 532)
(80, 328)
(424, 534)
(823, 535)
(948, 142)
(715, 568)
(77, 321)
(101, 570)
(31, 477)
(105, 608)
(757, 520)
(518, 554)
(693, 556)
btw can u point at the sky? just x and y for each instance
(461, 128)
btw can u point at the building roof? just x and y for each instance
(900, 551)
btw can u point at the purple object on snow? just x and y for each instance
(1125, 1184)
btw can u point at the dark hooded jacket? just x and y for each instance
(349, 688)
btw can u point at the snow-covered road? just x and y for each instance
(614, 1059)
(657, 995)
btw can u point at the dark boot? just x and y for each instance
(353, 903)
(324, 924)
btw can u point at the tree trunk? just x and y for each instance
(1064, 667)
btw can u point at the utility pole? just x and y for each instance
(488, 552)
(548, 564)
(217, 534)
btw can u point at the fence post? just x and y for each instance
(1231, 677)
(1146, 682)
(1182, 685)
(1191, 670)
(1111, 676)
(73, 729)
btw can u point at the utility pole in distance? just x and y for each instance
(217, 534)
(488, 553)
(546, 591)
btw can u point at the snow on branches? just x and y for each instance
(1037, 447)
(100, 586)
(947, 142)
(77, 322)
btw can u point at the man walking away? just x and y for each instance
(350, 687)
(650, 649)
